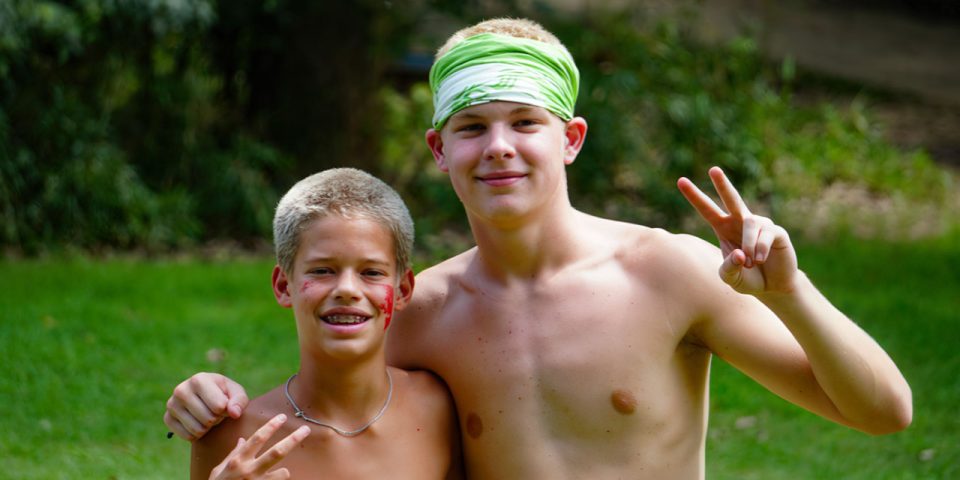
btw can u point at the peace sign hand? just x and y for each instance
(757, 254)
(243, 462)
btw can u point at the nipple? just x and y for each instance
(623, 402)
(474, 425)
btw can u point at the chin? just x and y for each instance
(350, 350)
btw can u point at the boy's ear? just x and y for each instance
(575, 133)
(436, 148)
(281, 287)
(405, 292)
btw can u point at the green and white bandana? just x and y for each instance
(491, 67)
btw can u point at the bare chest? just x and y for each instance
(591, 366)
(405, 443)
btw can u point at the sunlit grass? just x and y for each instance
(908, 298)
(91, 349)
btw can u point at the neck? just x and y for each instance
(528, 249)
(346, 396)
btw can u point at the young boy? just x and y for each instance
(343, 240)
(580, 347)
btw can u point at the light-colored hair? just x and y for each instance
(513, 27)
(347, 192)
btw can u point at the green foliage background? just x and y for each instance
(159, 124)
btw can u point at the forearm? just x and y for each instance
(855, 373)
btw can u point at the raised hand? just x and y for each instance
(244, 463)
(757, 254)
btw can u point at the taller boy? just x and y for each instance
(580, 347)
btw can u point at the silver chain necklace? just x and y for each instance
(346, 433)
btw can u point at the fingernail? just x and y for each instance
(280, 418)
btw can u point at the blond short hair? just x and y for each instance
(347, 192)
(513, 27)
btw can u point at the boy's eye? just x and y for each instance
(526, 122)
(470, 127)
(375, 273)
(320, 271)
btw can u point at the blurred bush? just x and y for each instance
(158, 124)
(661, 106)
(110, 130)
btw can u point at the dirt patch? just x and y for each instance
(904, 62)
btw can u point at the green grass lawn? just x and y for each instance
(91, 349)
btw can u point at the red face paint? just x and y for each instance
(387, 306)
(307, 284)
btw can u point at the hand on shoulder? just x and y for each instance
(201, 402)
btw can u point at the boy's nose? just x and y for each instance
(347, 288)
(500, 144)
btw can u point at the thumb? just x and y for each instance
(236, 397)
(731, 270)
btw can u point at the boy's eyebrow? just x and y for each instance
(522, 109)
(469, 115)
(459, 115)
(320, 258)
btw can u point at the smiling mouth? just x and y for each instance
(502, 179)
(344, 319)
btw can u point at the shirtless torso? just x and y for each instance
(588, 373)
(419, 414)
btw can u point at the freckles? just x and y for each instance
(387, 306)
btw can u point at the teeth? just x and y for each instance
(344, 319)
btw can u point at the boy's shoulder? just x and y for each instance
(433, 284)
(255, 414)
(422, 395)
(420, 385)
(452, 266)
(631, 239)
(655, 256)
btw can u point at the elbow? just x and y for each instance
(902, 415)
(893, 424)
(896, 417)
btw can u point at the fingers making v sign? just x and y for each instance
(246, 462)
(757, 254)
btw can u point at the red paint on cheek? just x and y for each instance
(307, 284)
(387, 306)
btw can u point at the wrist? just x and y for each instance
(787, 291)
